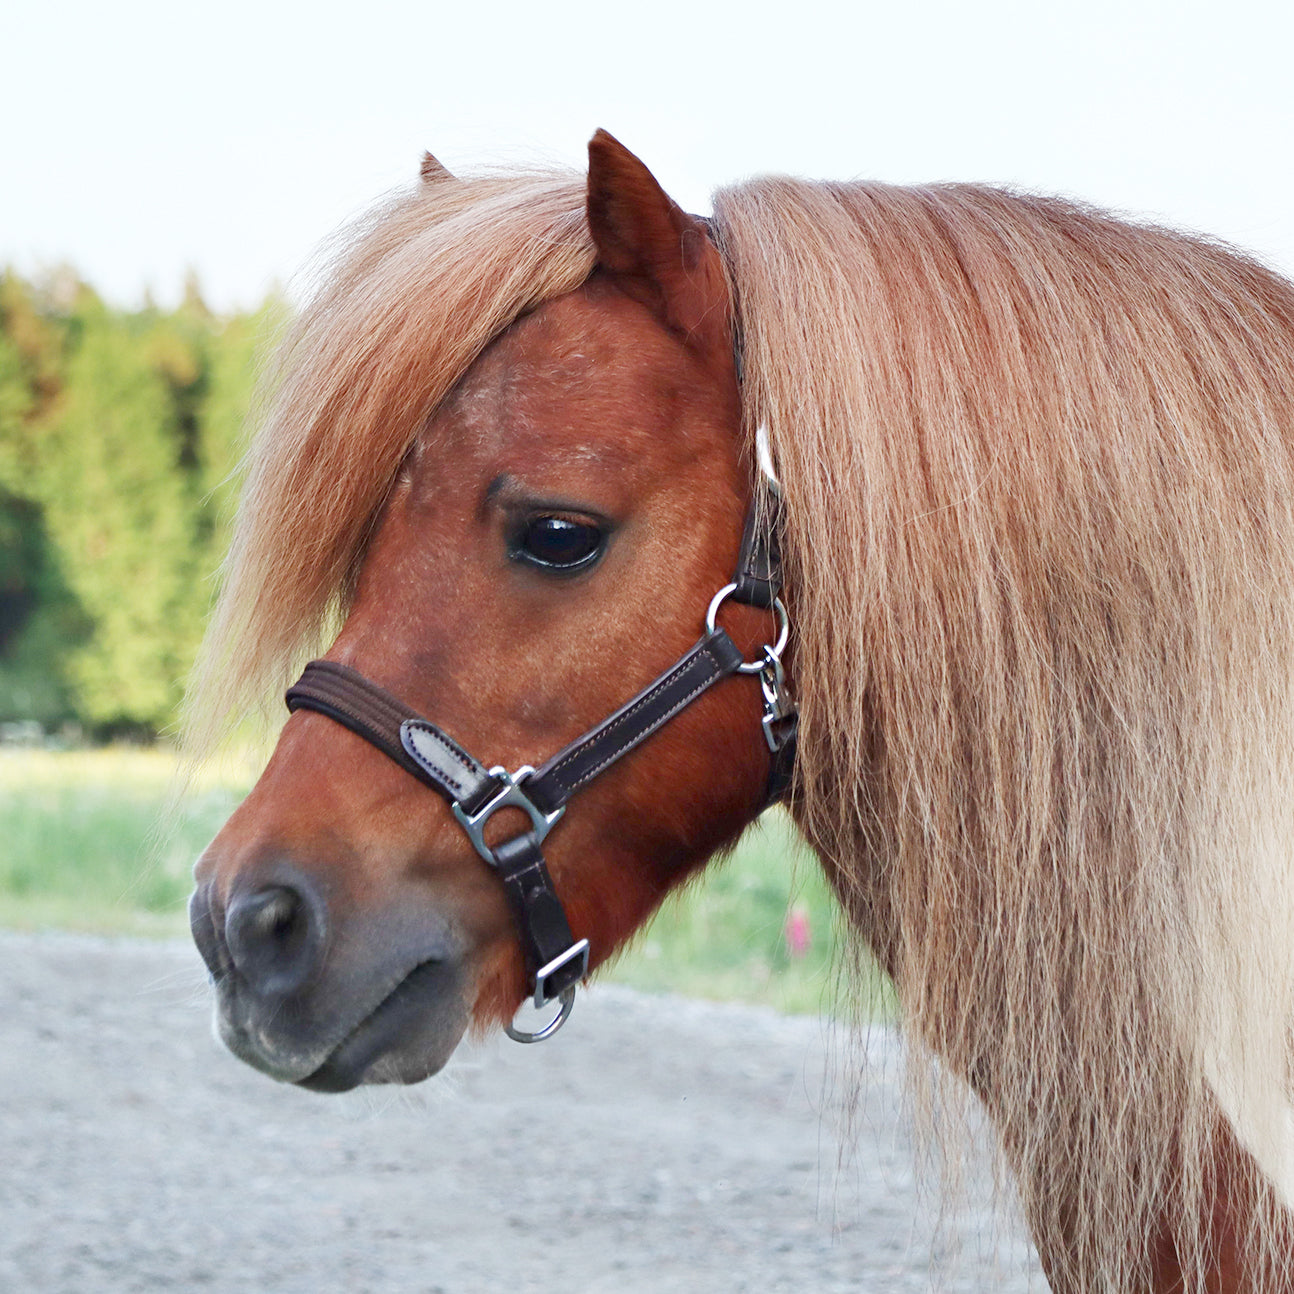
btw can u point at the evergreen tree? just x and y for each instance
(40, 620)
(231, 378)
(120, 506)
(120, 433)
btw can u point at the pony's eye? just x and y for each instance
(558, 543)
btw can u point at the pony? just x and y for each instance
(1036, 527)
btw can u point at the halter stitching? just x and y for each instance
(666, 679)
(614, 755)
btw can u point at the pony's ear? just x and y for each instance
(656, 252)
(432, 171)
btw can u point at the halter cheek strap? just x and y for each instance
(555, 960)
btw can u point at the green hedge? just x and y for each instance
(119, 438)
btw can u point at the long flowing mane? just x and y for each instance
(1041, 545)
(1040, 541)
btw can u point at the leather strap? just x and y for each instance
(347, 697)
(759, 563)
(444, 765)
(540, 917)
(781, 772)
(438, 761)
(713, 658)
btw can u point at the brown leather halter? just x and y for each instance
(555, 960)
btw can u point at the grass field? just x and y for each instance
(88, 843)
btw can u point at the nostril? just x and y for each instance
(275, 937)
(272, 918)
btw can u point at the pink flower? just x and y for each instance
(797, 932)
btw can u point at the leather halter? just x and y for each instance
(555, 960)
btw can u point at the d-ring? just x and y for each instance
(567, 999)
(783, 629)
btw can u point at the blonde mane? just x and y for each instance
(1041, 550)
(421, 286)
(1040, 546)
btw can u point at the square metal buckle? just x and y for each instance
(563, 972)
(509, 795)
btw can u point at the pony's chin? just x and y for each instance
(408, 1036)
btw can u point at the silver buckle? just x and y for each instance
(509, 795)
(577, 952)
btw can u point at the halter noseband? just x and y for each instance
(555, 960)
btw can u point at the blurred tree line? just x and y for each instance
(119, 434)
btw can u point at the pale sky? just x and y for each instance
(141, 138)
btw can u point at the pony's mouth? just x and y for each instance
(315, 1042)
(407, 1037)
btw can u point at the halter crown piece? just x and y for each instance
(555, 960)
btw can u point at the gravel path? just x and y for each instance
(654, 1145)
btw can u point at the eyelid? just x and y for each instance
(513, 498)
(525, 511)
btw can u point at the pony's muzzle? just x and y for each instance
(299, 995)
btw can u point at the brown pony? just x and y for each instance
(1038, 549)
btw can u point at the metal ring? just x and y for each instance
(567, 999)
(783, 629)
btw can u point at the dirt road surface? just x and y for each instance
(655, 1145)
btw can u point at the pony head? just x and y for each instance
(516, 549)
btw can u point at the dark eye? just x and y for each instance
(558, 543)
